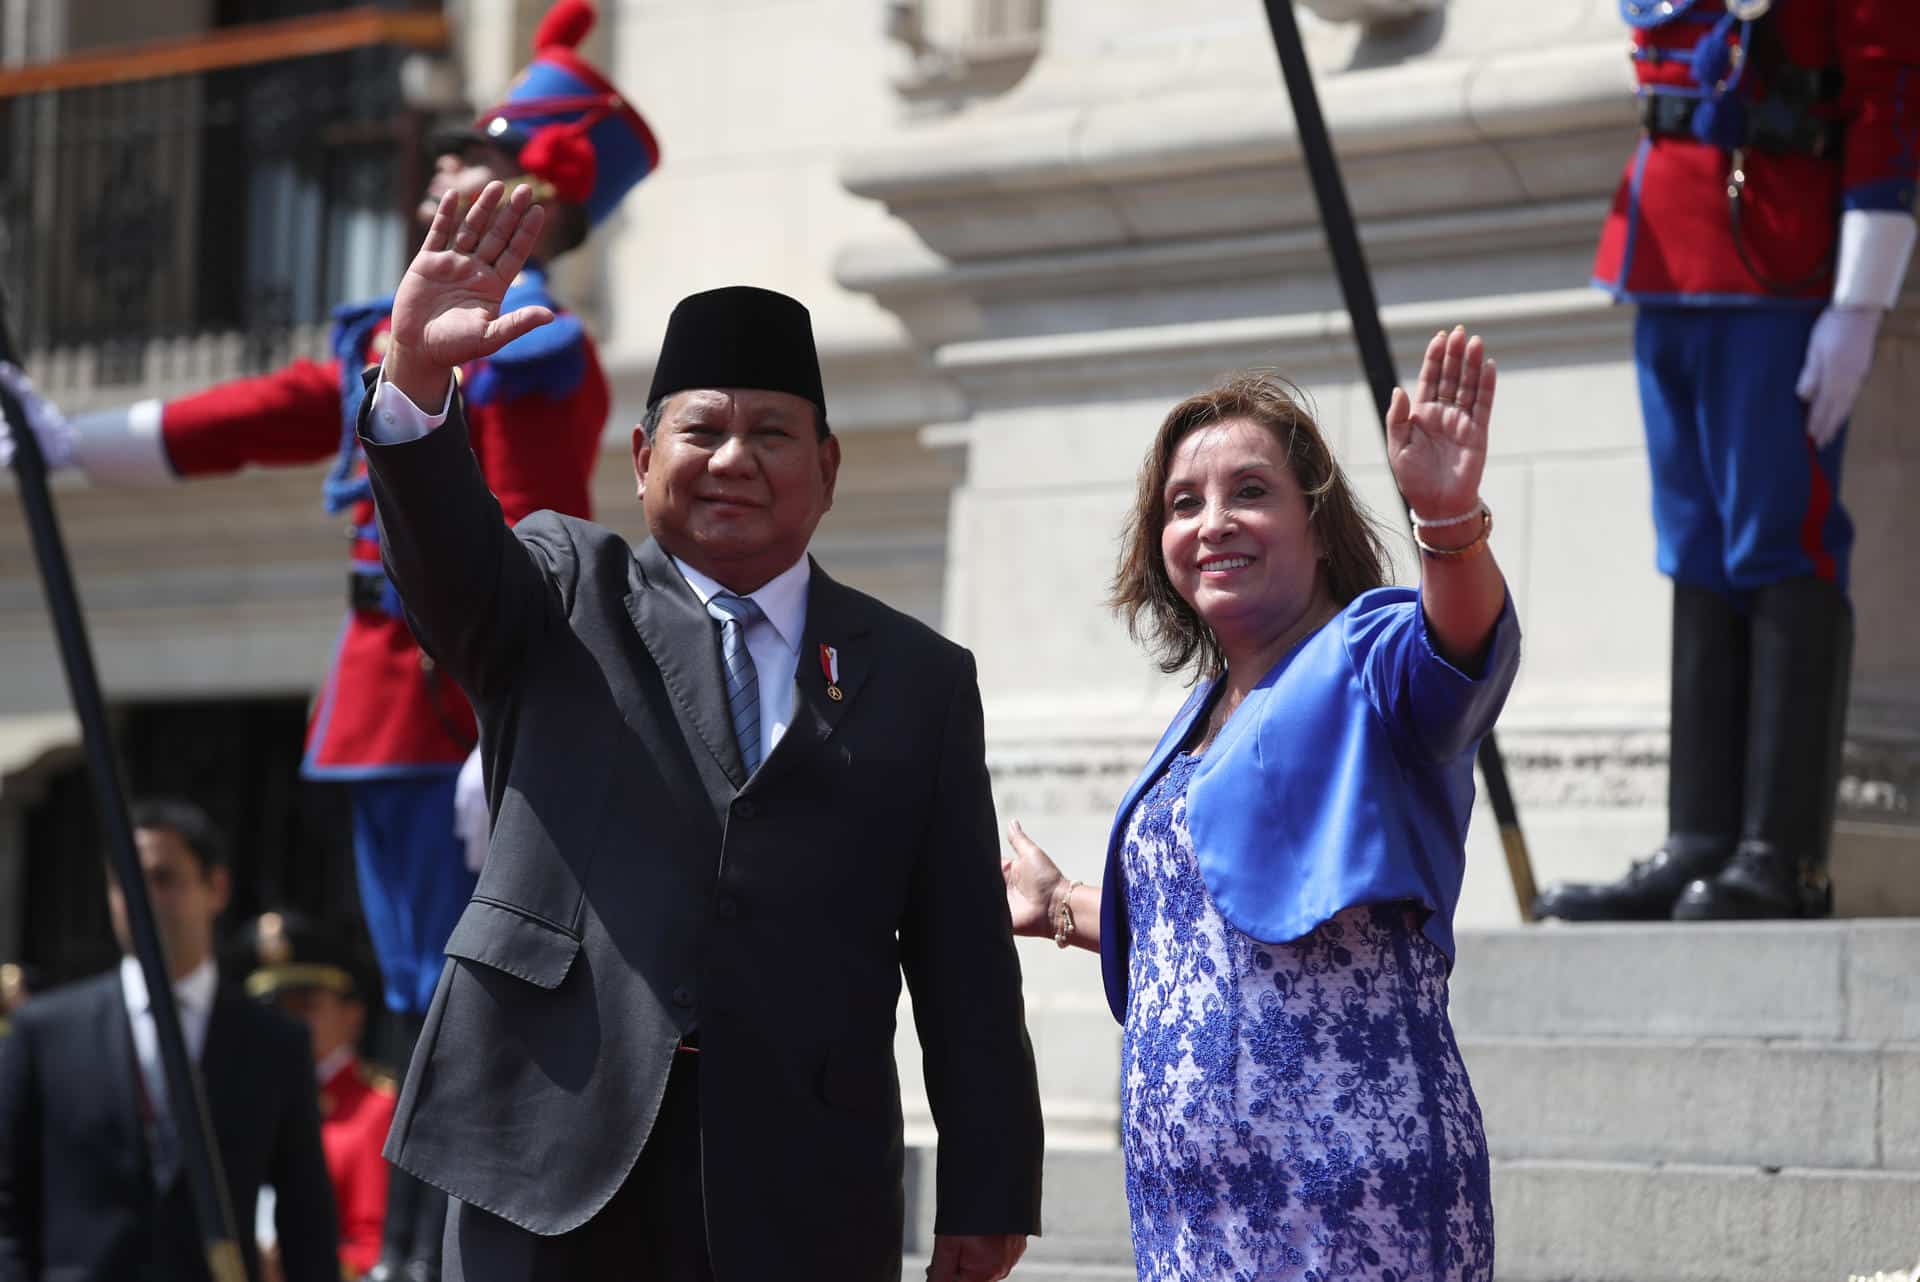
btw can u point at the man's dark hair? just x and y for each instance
(650, 421)
(189, 823)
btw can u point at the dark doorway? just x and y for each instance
(239, 760)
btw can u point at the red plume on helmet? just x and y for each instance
(566, 123)
(562, 155)
(565, 25)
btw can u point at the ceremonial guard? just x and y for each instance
(1763, 226)
(315, 976)
(386, 721)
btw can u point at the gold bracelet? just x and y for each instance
(1063, 920)
(1486, 530)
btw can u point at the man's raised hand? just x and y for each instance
(447, 309)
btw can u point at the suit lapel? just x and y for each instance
(679, 634)
(220, 1060)
(836, 617)
(124, 1089)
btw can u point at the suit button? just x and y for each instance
(747, 808)
(728, 908)
(683, 996)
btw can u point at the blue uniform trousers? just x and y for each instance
(414, 882)
(1741, 498)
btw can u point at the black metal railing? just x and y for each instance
(244, 199)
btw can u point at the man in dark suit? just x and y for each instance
(733, 801)
(91, 1183)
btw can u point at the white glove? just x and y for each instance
(44, 419)
(1839, 353)
(1869, 266)
(471, 822)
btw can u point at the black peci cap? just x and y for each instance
(740, 336)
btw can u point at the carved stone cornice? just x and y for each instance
(1045, 245)
(1508, 127)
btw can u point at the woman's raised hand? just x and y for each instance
(1033, 880)
(1437, 440)
(447, 309)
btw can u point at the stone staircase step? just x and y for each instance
(1084, 1208)
(1573, 1221)
(1847, 981)
(1630, 1222)
(1843, 1105)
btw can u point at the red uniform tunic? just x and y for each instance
(535, 412)
(356, 1112)
(1669, 237)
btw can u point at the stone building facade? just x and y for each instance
(1025, 229)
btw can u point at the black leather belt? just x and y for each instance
(367, 592)
(1773, 126)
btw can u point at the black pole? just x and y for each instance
(199, 1155)
(1363, 312)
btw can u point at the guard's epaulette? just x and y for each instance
(559, 338)
(347, 315)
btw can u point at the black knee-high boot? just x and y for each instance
(1708, 698)
(1797, 719)
(410, 1238)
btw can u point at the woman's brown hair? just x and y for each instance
(1355, 555)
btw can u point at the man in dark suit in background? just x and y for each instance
(732, 802)
(92, 1187)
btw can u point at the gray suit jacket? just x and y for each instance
(638, 886)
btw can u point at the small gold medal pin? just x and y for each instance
(830, 669)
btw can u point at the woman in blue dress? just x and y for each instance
(1276, 928)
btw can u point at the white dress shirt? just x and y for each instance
(395, 418)
(774, 642)
(194, 997)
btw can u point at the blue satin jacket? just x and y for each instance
(1345, 777)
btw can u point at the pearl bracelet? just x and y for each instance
(1477, 541)
(1422, 523)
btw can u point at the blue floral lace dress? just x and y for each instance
(1293, 1110)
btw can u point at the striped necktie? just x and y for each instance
(736, 614)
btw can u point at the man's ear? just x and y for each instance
(220, 885)
(829, 469)
(642, 456)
